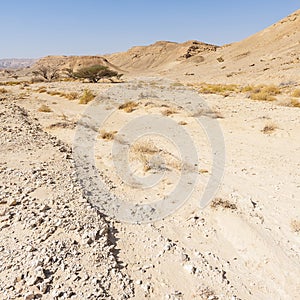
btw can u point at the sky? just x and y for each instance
(36, 28)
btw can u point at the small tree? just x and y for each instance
(95, 73)
(48, 73)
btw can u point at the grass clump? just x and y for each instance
(219, 202)
(87, 97)
(3, 91)
(269, 128)
(45, 108)
(264, 92)
(71, 96)
(295, 103)
(129, 106)
(295, 225)
(219, 89)
(296, 93)
(107, 135)
(169, 111)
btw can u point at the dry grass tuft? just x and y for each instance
(219, 89)
(295, 225)
(87, 97)
(107, 135)
(264, 92)
(3, 91)
(44, 108)
(129, 106)
(219, 202)
(269, 128)
(295, 103)
(182, 123)
(169, 112)
(296, 93)
(42, 89)
(71, 96)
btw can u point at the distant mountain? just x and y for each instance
(16, 63)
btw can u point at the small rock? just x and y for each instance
(190, 268)
(29, 296)
(12, 202)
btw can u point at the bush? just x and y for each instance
(87, 97)
(296, 93)
(44, 108)
(95, 73)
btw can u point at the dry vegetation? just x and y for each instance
(44, 108)
(269, 128)
(169, 111)
(87, 97)
(294, 103)
(296, 93)
(3, 91)
(129, 106)
(107, 135)
(219, 89)
(295, 225)
(219, 202)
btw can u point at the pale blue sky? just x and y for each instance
(35, 28)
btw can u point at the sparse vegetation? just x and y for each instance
(3, 91)
(44, 108)
(169, 111)
(87, 97)
(129, 106)
(220, 89)
(296, 93)
(182, 123)
(264, 92)
(219, 202)
(107, 135)
(295, 103)
(295, 225)
(269, 128)
(220, 59)
(95, 73)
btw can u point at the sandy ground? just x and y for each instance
(244, 245)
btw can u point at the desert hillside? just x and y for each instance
(272, 55)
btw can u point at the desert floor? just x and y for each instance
(244, 245)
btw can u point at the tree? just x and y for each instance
(48, 73)
(95, 73)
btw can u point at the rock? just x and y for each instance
(190, 268)
(29, 296)
(12, 202)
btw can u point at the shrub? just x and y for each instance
(45, 108)
(87, 97)
(296, 93)
(262, 96)
(71, 96)
(95, 73)
(107, 135)
(221, 89)
(128, 106)
(168, 112)
(220, 59)
(295, 103)
(269, 128)
(219, 202)
(3, 91)
(295, 225)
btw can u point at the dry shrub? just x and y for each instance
(44, 108)
(219, 202)
(295, 225)
(182, 123)
(129, 106)
(269, 128)
(3, 91)
(220, 89)
(296, 93)
(203, 171)
(87, 97)
(264, 92)
(295, 103)
(107, 135)
(54, 93)
(65, 125)
(71, 96)
(169, 111)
